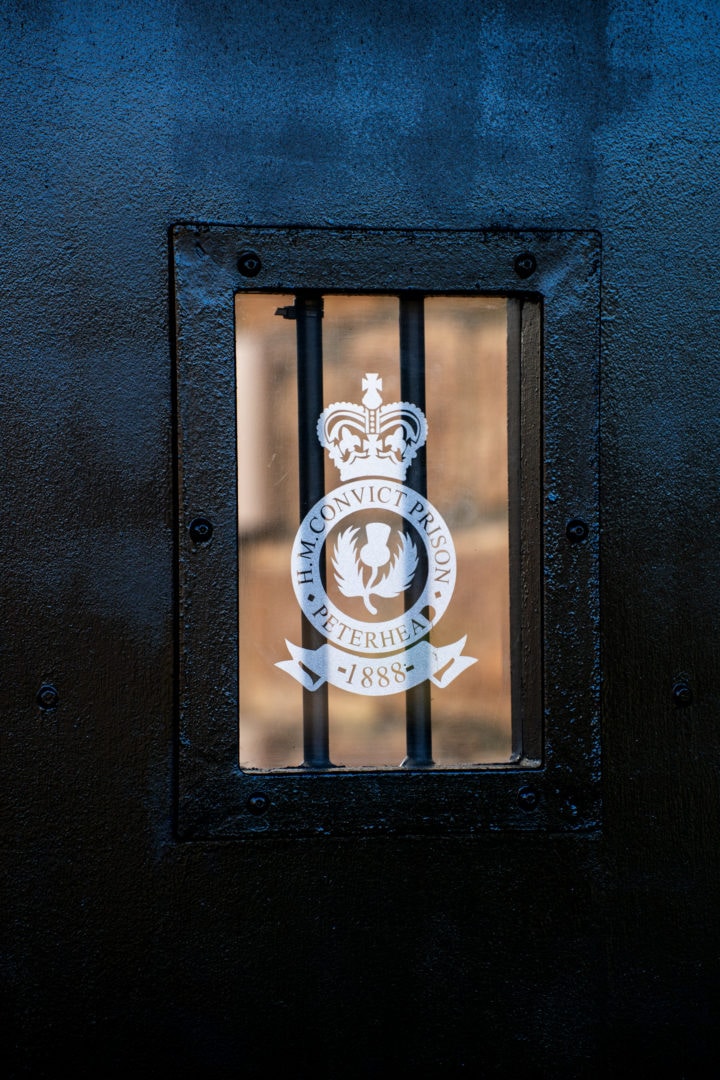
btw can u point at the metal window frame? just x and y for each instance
(552, 280)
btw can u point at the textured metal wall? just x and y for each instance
(123, 950)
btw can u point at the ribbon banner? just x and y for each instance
(376, 675)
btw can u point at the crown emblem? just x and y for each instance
(372, 439)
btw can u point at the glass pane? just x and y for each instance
(374, 547)
(466, 405)
(270, 703)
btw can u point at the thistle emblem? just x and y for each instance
(374, 554)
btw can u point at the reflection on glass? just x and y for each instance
(373, 562)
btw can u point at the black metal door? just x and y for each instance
(137, 941)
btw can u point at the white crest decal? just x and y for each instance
(391, 554)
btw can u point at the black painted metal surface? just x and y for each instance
(124, 951)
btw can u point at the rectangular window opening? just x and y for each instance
(342, 662)
(387, 476)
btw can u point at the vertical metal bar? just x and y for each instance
(524, 347)
(514, 430)
(531, 471)
(412, 388)
(308, 314)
